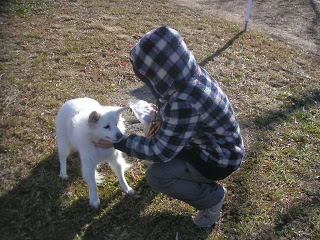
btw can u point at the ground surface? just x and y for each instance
(293, 21)
(52, 51)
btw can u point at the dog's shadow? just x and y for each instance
(35, 209)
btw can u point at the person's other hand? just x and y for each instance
(103, 144)
(154, 125)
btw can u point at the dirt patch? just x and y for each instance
(295, 22)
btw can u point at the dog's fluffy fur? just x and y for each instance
(79, 123)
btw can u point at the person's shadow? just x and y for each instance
(220, 50)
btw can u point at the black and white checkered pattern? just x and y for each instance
(196, 113)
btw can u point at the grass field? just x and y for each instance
(52, 51)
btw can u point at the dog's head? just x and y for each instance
(104, 123)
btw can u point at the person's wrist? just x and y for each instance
(121, 145)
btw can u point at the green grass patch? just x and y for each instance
(52, 51)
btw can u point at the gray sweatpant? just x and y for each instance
(180, 180)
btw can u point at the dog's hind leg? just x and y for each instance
(88, 173)
(119, 166)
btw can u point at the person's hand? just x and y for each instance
(154, 107)
(103, 144)
(154, 125)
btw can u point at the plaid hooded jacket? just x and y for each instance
(199, 124)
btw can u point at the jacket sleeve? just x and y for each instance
(180, 122)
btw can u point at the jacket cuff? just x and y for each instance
(121, 145)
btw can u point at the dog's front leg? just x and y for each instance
(63, 168)
(63, 152)
(88, 173)
(119, 166)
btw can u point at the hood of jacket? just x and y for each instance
(162, 60)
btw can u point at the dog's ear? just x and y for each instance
(121, 110)
(93, 118)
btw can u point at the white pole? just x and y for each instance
(246, 18)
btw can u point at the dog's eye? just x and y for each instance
(107, 127)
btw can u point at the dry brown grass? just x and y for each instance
(52, 51)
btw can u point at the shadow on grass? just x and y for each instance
(220, 50)
(311, 98)
(142, 93)
(315, 8)
(126, 220)
(315, 25)
(294, 221)
(33, 209)
(297, 214)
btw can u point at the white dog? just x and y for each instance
(80, 122)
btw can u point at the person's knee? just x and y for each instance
(156, 178)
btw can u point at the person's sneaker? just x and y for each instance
(207, 217)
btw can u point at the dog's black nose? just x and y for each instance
(119, 136)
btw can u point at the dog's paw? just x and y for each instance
(130, 192)
(63, 176)
(95, 203)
